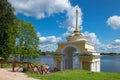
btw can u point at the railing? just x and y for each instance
(27, 66)
(38, 69)
(31, 67)
(2, 62)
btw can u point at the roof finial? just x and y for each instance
(76, 32)
(76, 18)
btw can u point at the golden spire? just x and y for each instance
(76, 32)
(76, 19)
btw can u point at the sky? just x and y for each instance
(54, 20)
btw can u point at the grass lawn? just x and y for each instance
(6, 65)
(77, 75)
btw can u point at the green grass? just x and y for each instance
(77, 75)
(7, 65)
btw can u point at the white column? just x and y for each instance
(91, 66)
(94, 67)
(99, 66)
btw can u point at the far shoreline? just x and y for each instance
(110, 54)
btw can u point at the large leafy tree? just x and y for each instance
(27, 40)
(6, 22)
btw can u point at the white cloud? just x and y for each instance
(44, 8)
(48, 47)
(116, 44)
(38, 34)
(114, 22)
(117, 41)
(92, 38)
(112, 47)
(48, 43)
(39, 8)
(49, 39)
(100, 47)
(69, 31)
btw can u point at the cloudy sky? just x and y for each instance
(54, 20)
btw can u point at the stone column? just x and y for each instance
(86, 65)
(58, 59)
(90, 62)
(86, 62)
(63, 63)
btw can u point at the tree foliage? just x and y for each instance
(16, 36)
(6, 22)
(27, 41)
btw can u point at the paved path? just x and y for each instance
(8, 75)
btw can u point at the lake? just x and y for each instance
(108, 63)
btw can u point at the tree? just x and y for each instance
(27, 40)
(6, 22)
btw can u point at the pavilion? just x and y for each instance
(89, 59)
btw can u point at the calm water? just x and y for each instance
(108, 63)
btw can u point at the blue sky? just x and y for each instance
(54, 20)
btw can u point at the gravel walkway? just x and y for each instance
(5, 74)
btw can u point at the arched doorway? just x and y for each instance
(71, 53)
